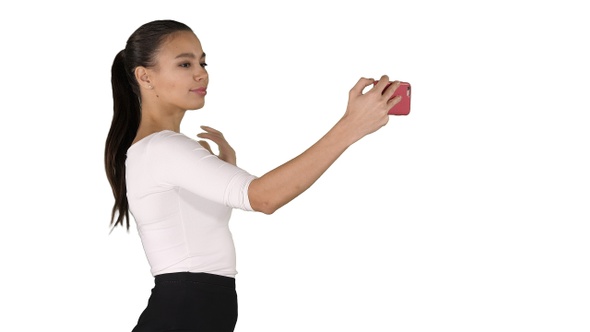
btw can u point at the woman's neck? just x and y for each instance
(153, 121)
(158, 120)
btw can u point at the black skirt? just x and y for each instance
(186, 301)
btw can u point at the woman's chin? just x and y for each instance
(195, 107)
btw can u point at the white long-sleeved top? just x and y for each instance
(181, 197)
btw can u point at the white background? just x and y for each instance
(470, 214)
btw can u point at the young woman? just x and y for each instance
(180, 193)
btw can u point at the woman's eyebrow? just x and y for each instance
(189, 55)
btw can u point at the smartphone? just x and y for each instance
(403, 107)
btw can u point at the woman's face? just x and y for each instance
(179, 78)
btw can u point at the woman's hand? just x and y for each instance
(226, 152)
(366, 113)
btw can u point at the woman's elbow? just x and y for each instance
(264, 207)
(261, 200)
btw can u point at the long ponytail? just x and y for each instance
(141, 49)
(126, 118)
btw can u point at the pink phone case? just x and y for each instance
(403, 107)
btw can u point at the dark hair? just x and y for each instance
(141, 50)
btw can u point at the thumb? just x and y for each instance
(360, 85)
(206, 146)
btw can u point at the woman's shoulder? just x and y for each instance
(166, 143)
(156, 138)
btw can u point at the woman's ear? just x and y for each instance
(142, 77)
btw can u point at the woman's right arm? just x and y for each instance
(365, 114)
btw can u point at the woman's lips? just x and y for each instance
(200, 91)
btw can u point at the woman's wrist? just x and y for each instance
(347, 130)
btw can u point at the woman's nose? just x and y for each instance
(201, 75)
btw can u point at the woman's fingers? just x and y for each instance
(211, 130)
(393, 101)
(206, 146)
(382, 83)
(388, 92)
(212, 134)
(358, 88)
(226, 152)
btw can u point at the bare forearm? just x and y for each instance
(281, 185)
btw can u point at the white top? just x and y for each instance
(181, 197)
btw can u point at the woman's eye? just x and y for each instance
(185, 65)
(203, 65)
